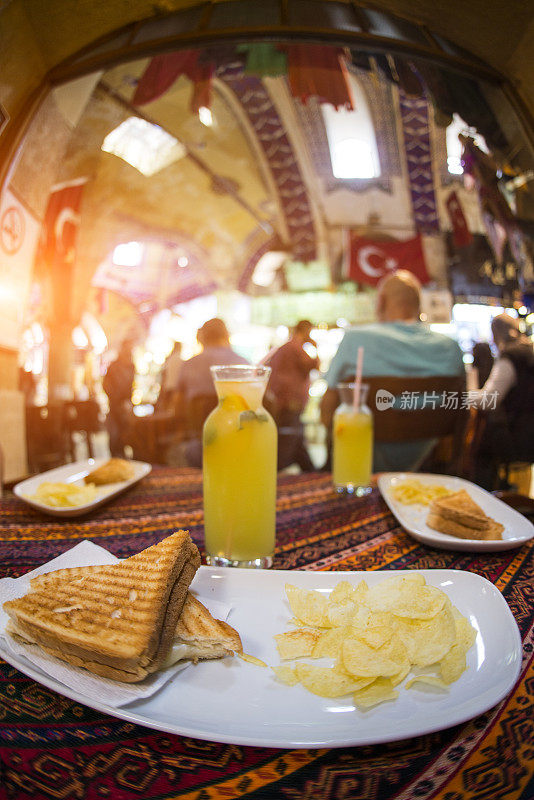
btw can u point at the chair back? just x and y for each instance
(197, 409)
(425, 408)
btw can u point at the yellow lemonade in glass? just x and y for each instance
(352, 456)
(239, 465)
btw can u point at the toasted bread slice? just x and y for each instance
(454, 528)
(460, 507)
(113, 471)
(114, 620)
(198, 635)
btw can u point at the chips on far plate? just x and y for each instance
(64, 495)
(375, 636)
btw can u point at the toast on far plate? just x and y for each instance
(459, 515)
(113, 471)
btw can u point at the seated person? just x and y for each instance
(397, 345)
(195, 382)
(287, 395)
(507, 402)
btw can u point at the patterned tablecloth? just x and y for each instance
(52, 747)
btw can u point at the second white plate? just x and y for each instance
(75, 473)
(517, 528)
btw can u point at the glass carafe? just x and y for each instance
(239, 465)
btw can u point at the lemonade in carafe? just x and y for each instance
(239, 465)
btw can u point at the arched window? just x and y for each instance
(351, 138)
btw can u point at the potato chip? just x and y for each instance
(427, 640)
(341, 613)
(343, 591)
(365, 661)
(429, 680)
(365, 618)
(308, 606)
(327, 681)
(329, 643)
(379, 691)
(377, 636)
(286, 674)
(465, 633)
(453, 664)
(295, 644)
(406, 597)
(400, 676)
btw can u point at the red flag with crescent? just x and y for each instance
(56, 251)
(461, 234)
(369, 260)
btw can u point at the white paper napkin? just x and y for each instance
(103, 690)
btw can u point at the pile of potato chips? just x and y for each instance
(376, 636)
(59, 495)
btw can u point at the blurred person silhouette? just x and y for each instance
(27, 385)
(117, 384)
(169, 394)
(287, 394)
(195, 382)
(398, 345)
(482, 362)
(506, 401)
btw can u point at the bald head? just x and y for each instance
(399, 297)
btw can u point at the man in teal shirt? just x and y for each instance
(398, 345)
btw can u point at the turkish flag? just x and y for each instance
(369, 261)
(461, 234)
(56, 251)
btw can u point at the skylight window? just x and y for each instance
(351, 138)
(145, 146)
(454, 146)
(128, 254)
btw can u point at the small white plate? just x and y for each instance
(234, 701)
(75, 473)
(517, 528)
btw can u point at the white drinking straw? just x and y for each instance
(358, 381)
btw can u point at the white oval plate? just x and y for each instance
(237, 702)
(517, 528)
(75, 473)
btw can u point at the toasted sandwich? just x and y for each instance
(198, 635)
(458, 515)
(112, 471)
(117, 621)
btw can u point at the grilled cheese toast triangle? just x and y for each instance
(118, 621)
(458, 515)
(198, 635)
(460, 507)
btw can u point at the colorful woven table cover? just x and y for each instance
(52, 747)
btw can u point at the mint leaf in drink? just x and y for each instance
(250, 416)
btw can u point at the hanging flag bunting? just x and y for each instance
(369, 261)
(462, 236)
(318, 71)
(263, 60)
(164, 70)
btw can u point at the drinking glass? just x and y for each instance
(352, 456)
(239, 465)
